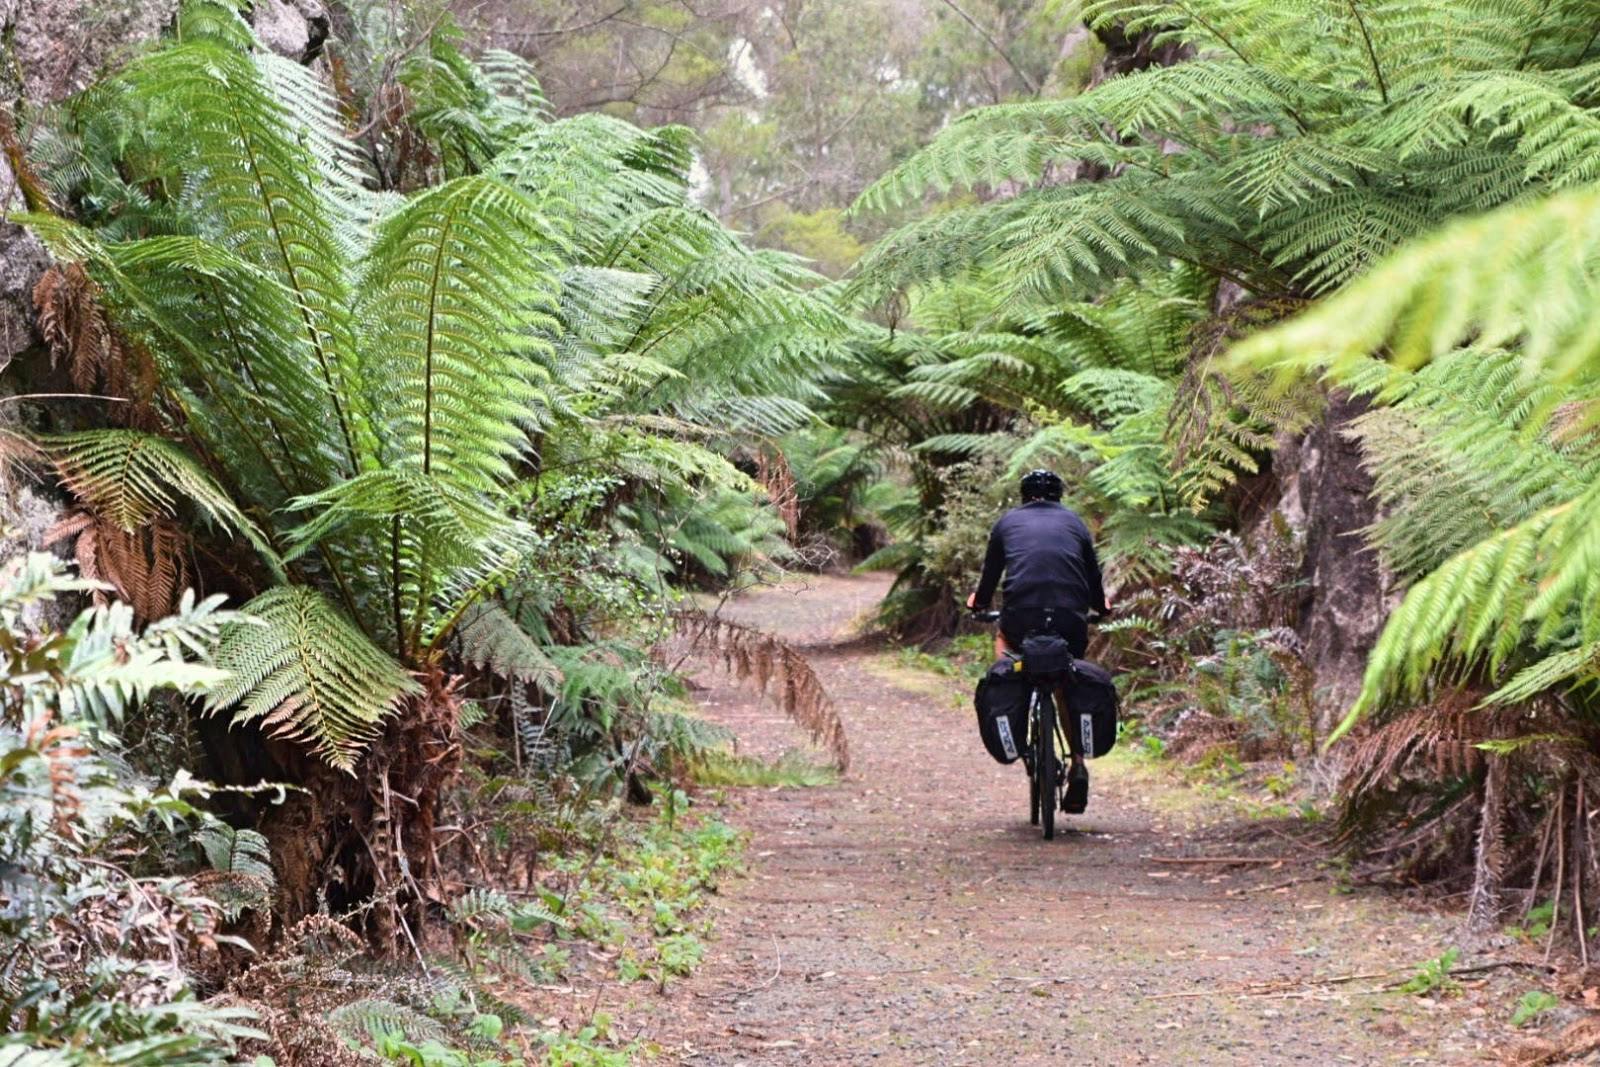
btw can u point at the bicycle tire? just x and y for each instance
(1033, 772)
(1044, 762)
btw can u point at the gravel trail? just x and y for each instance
(910, 915)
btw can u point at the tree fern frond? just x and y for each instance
(1328, 240)
(239, 851)
(453, 288)
(1073, 238)
(1476, 604)
(307, 674)
(491, 640)
(1288, 170)
(1571, 667)
(262, 176)
(1428, 298)
(129, 477)
(1168, 99)
(968, 444)
(455, 520)
(369, 1019)
(1111, 394)
(1556, 139)
(942, 247)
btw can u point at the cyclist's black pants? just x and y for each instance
(1018, 623)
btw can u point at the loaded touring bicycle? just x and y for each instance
(1018, 717)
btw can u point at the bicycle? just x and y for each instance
(1041, 753)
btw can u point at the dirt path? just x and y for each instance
(909, 915)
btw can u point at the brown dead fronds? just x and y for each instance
(777, 478)
(148, 566)
(1572, 1045)
(776, 670)
(295, 987)
(98, 357)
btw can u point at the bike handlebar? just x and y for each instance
(987, 615)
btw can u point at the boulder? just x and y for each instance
(49, 49)
(1324, 494)
(294, 29)
(58, 46)
(22, 260)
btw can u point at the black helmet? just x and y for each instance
(1042, 485)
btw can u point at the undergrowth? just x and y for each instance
(792, 769)
(962, 656)
(628, 909)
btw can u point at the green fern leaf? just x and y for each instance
(129, 477)
(236, 851)
(307, 674)
(492, 641)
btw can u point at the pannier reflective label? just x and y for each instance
(1086, 730)
(1007, 742)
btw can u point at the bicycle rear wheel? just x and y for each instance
(1045, 761)
(1033, 770)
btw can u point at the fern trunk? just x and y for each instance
(368, 840)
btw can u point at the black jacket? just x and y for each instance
(1048, 558)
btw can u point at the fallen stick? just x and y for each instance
(1259, 989)
(737, 993)
(1499, 964)
(1268, 989)
(1226, 860)
(1272, 887)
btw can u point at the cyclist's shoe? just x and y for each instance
(1076, 798)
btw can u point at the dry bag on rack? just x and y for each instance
(1002, 703)
(1046, 654)
(1092, 707)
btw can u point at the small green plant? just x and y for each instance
(1533, 1004)
(679, 955)
(1282, 783)
(589, 1047)
(435, 1053)
(675, 956)
(551, 964)
(1434, 976)
(1536, 924)
(1220, 762)
(960, 658)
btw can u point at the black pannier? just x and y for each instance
(1092, 707)
(1046, 654)
(1002, 705)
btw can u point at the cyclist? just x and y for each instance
(1052, 583)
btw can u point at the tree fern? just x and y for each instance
(372, 377)
(1527, 570)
